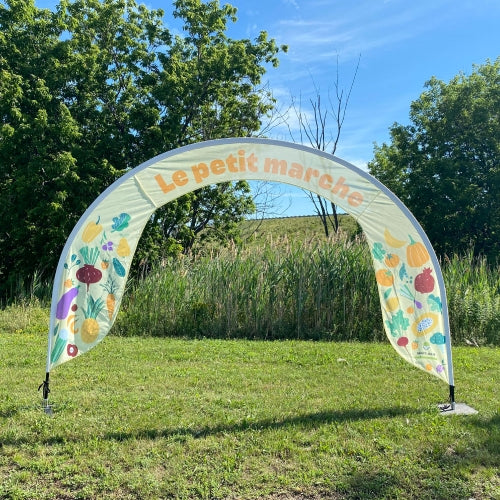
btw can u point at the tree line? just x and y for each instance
(96, 87)
(445, 165)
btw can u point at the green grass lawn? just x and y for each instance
(170, 418)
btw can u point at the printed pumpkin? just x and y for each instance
(416, 253)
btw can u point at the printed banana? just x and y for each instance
(391, 241)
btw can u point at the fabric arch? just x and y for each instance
(95, 262)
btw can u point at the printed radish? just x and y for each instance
(424, 282)
(403, 342)
(89, 274)
(64, 304)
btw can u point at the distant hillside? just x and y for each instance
(304, 228)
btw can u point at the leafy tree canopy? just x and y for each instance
(99, 86)
(445, 165)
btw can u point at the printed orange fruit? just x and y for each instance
(391, 260)
(384, 277)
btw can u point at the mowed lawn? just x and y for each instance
(151, 418)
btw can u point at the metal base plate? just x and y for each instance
(47, 408)
(460, 409)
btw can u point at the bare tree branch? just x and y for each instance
(314, 129)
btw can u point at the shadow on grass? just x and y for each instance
(9, 412)
(307, 420)
(371, 484)
(492, 425)
(484, 448)
(304, 420)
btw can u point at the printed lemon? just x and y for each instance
(392, 303)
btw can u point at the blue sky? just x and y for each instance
(400, 45)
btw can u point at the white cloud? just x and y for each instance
(348, 31)
(293, 3)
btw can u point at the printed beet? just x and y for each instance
(89, 274)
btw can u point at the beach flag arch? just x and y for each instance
(95, 262)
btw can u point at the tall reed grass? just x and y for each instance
(277, 291)
(473, 290)
(319, 290)
(25, 291)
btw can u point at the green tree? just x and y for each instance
(38, 172)
(95, 88)
(209, 88)
(445, 166)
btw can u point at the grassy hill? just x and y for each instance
(306, 228)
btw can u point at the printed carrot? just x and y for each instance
(111, 287)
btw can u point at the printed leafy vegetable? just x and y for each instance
(120, 222)
(398, 324)
(402, 272)
(74, 262)
(435, 303)
(378, 251)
